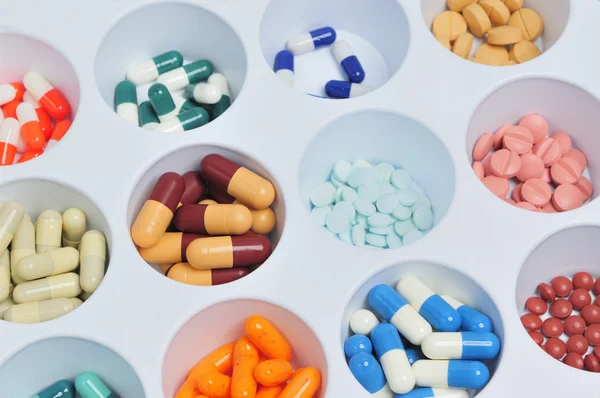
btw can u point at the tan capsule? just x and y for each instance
(23, 245)
(85, 295)
(4, 275)
(76, 302)
(73, 227)
(48, 231)
(5, 305)
(92, 259)
(164, 268)
(208, 202)
(41, 265)
(39, 311)
(11, 215)
(263, 221)
(57, 286)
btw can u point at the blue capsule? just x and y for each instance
(435, 393)
(413, 355)
(453, 373)
(392, 357)
(284, 67)
(347, 59)
(342, 89)
(369, 374)
(356, 344)
(472, 320)
(308, 42)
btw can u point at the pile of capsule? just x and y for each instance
(34, 117)
(87, 385)
(255, 366)
(343, 53)
(182, 98)
(569, 319)
(448, 362)
(49, 264)
(207, 227)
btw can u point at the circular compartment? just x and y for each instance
(188, 159)
(510, 102)
(378, 136)
(36, 55)
(155, 29)
(51, 360)
(378, 35)
(555, 15)
(37, 195)
(442, 280)
(216, 329)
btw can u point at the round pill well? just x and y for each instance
(379, 36)
(380, 137)
(152, 30)
(223, 323)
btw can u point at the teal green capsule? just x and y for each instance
(187, 105)
(149, 70)
(126, 101)
(162, 102)
(60, 389)
(185, 121)
(179, 78)
(89, 385)
(148, 118)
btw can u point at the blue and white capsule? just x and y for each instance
(357, 344)
(342, 89)
(369, 374)
(430, 305)
(284, 67)
(413, 355)
(344, 55)
(393, 359)
(461, 345)
(435, 393)
(453, 373)
(472, 320)
(394, 309)
(312, 40)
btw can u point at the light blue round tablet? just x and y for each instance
(357, 176)
(319, 214)
(349, 194)
(336, 183)
(362, 221)
(345, 236)
(387, 188)
(338, 193)
(364, 207)
(341, 170)
(393, 241)
(407, 197)
(401, 179)
(387, 203)
(376, 240)
(412, 236)
(423, 218)
(404, 227)
(382, 231)
(346, 208)
(362, 163)
(386, 170)
(358, 235)
(322, 195)
(424, 201)
(402, 213)
(380, 220)
(337, 222)
(364, 193)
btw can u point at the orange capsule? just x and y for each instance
(31, 132)
(267, 338)
(30, 154)
(269, 392)
(60, 129)
(304, 385)
(245, 347)
(243, 384)
(10, 109)
(273, 372)
(189, 389)
(49, 97)
(214, 384)
(222, 358)
(296, 372)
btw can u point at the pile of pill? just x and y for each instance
(569, 319)
(181, 98)
(34, 117)
(258, 365)
(343, 53)
(509, 28)
(374, 206)
(49, 263)
(453, 338)
(546, 172)
(87, 385)
(207, 227)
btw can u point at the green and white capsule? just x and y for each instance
(203, 93)
(179, 78)
(225, 102)
(185, 121)
(148, 118)
(149, 70)
(183, 105)
(126, 102)
(162, 102)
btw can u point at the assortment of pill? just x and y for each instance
(207, 227)
(258, 365)
(546, 171)
(506, 29)
(87, 385)
(564, 319)
(453, 337)
(342, 52)
(50, 267)
(34, 117)
(375, 206)
(180, 97)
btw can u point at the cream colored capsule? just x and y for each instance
(208, 202)
(41, 265)
(93, 260)
(48, 231)
(73, 227)
(57, 286)
(4, 275)
(11, 215)
(23, 245)
(5, 305)
(85, 295)
(76, 302)
(39, 311)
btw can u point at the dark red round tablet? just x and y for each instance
(583, 280)
(536, 305)
(553, 327)
(597, 301)
(546, 292)
(561, 308)
(574, 360)
(555, 347)
(592, 334)
(537, 337)
(596, 287)
(578, 344)
(591, 314)
(531, 322)
(574, 325)
(596, 352)
(562, 286)
(591, 363)
(580, 298)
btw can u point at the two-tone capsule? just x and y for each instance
(170, 248)
(344, 55)
(284, 67)
(23, 245)
(228, 252)
(31, 130)
(430, 305)
(60, 129)
(92, 260)
(48, 231)
(11, 215)
(40, 311)
(343, 89)
(55, 262)
(203, 93)
(147, 116)
(392, 357)
(413, 355)
(435, 393)
(312, 40)
(89, 385)
(394, 309)
(357, 344)
(149, 70)
(219, 80)
(4, 274)
(43, 117)
(9, 139)
(263, 221)
(185, 121)
(74, 225)
(126, 102)
(11, 92)
(48, 97)
(213, 219)
(461, 345)
(192, 73)
(57, 286)
(452, 373)
(185, 273)
(195, 188)
(367, 371)
(162, 102)
(60, 389)
(472, 320)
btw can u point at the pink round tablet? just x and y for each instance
(578, 156)
(487, 166)
(549, 208)
(505, 163)
(499, 135)
(531, 167)
(483, 146)
(478, 169)
(566, 171)
(585, 186)
(537, 126)
(536, 192)
(518, 139)
(498, 185)
(546, 176)
(526, 206)
(510, 201)
(548, 150)
(563, 139)
(516, 193)
(567, 197)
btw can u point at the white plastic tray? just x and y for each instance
(141, 331)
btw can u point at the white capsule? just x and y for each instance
(363, 322)
(204, 93)
(220, 81)
(7, 93)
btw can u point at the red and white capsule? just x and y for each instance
(31, 131)
(58, 133)
(11, 92)
(9, 137)
(45, 121)
(49, 97)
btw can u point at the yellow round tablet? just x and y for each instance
(530, 23)
(504, 35)
(513, 5)
(463, 45)
(477, 20)
(458, 5)
(450, 24)
(444, 41)
(523, 51)
(492, 55)
(496, 10)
